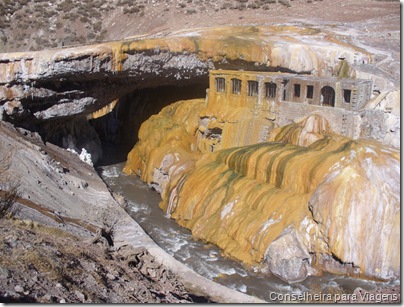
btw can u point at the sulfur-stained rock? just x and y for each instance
(167, 142)
(305, 133)
(309, 201)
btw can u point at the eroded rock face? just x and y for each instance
(242, 199)
(68, 82)
(358, 207)
(75, 134)
(309, 202)
(287, 258)
(51, 180)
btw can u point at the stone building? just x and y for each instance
(285, 98)
(242, 88)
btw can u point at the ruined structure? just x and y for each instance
(254, 89)
(286, 98)
(265, 100)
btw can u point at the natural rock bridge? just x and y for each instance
(56, 92)
(72, 81)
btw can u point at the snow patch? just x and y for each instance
(84, 155)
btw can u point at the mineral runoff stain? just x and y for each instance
(357, 297)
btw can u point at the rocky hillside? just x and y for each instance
(54, 248)
(39, 24)
(43, 264)
(58, 190)
(72, 241)
(42, 24)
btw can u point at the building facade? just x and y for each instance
(285, 98)
(249, 89)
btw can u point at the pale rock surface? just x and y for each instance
(287, 258)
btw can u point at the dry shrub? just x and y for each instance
(9, 194)
(43, 264)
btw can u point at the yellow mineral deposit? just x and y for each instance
(336, 196)
(310, 130)
(166, 139)
(103, 111)
(294, 48)
(295, 198)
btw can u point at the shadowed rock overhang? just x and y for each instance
(57, 83)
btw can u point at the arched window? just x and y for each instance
(327, 96)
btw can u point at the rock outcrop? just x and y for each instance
(309, 201)
(53, 178)
(293, 194)
(81, 80)
(59, 84)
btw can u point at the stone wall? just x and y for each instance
(375, 125)
(363, 94)
(372, 124)
(341, 121)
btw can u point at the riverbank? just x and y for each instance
(69, 213)
(42, 264)
(60, 238)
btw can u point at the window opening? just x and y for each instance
(270, 90)
(236, 86)
(284, 82)
(310, 91)
(252, 88)
(347, 96)
(328, 96)
(297, 90)
(220, 85)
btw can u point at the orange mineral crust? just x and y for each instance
(293, 204)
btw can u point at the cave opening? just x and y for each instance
(118, 130)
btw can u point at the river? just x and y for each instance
(206, 259)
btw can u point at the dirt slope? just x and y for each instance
(48, 265)
(39, 24)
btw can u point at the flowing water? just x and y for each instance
(206, 259)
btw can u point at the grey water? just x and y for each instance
(206, 259)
